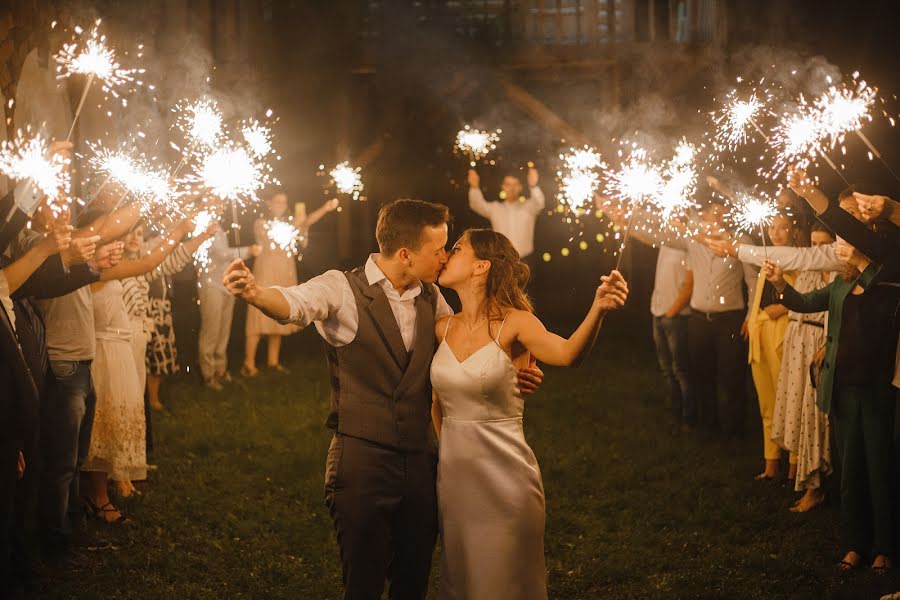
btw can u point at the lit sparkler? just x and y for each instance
(476, 144)
(27, 157)
(734, 120)
(581, 181)
(202, 221)
(635, 182)
(283, 235)
(93, 58)
(347, 179)
(230, 173)
(200, 122)
(258, 138)
(747, 213)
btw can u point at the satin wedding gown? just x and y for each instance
(490, 493)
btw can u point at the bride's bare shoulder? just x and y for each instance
(440, 327)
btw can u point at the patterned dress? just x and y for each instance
(798, 424)
(162, 356)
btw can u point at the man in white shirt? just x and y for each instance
(378, 322)
(515, 216)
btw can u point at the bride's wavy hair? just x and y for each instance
(505, 284)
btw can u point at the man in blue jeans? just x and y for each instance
(669, 305)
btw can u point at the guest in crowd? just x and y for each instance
(515, 215)
(117, 450)
(274, 266)
(855, 384)
(766, 327)
(217, 308)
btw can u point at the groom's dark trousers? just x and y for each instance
(382, 466)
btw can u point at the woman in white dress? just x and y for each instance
(118, 449)
(490, 493)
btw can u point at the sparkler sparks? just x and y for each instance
(797, 138)
(735, 118)
(94, 58)
(27, 157)
(202, 221)
(843, 110)
(283, 235)
(578, 185)
(230, 173)
(677, 192)
(476, 144)
(636, 180)
(258, 138)
(347, 180)
(750, 213)
(200, 122)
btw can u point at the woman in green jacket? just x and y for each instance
(855, 390)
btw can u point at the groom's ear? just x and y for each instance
(403, 255)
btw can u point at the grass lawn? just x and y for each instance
(235, 508)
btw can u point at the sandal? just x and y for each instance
(106, 508)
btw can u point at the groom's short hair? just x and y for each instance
(400, 224)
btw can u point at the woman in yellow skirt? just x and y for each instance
(767, 324)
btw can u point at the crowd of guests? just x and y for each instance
(815, 312)
(86, 337)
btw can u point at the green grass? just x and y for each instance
(235, 508)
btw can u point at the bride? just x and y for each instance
(490, 494)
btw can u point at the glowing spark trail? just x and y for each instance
(581, 181)
(96, 60)
(734, 120)
(27, 157)
(476, 144)
(347, 180)
(283, 235)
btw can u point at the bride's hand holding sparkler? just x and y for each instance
(774, 275)
(800, 182)
(473, 179)
(612, 292)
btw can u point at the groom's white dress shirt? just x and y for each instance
(327, 300)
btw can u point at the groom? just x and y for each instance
(378, 323)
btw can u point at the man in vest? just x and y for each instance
(378, 322)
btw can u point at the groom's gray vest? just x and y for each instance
(381, 392)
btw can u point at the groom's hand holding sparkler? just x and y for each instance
(241, 283)
(612, 292)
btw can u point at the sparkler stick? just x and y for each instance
(87, 86)
(237, 227)
(876, 153)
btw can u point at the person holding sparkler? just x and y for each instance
(515, 215)
(378, 322)
(117, 448)
(274, 266)
(767, 324)
(489, 480)
(855, 389)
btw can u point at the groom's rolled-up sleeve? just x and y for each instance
(315, 300)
